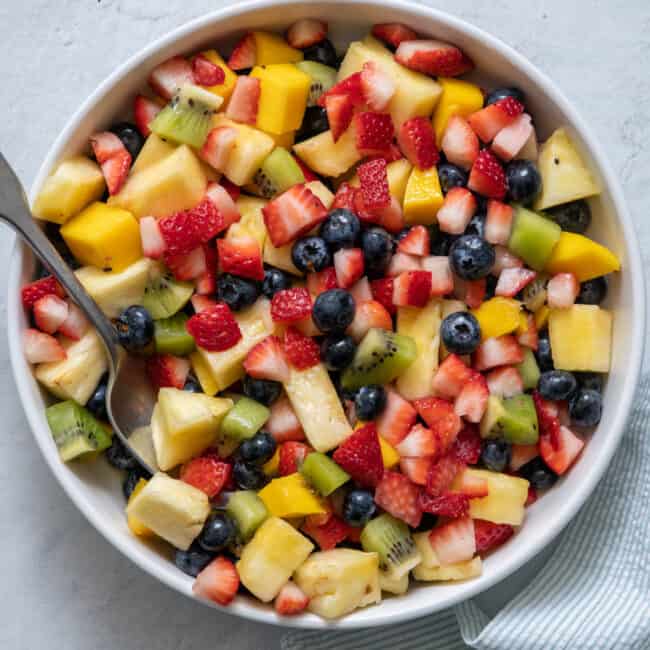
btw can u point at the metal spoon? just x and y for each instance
(129, 396)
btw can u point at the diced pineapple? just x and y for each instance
(429, 559)
(398, 173)
(136, 526)
(318, 407)
(223, 89)
(252, 218)
(581, 338)
(141, 440)
(457, 98)
(271, 48)
(565, 177)
(290, 496)
(423, 326)
(280, 257)
(392, 585)
(172, 509)
(460, 571)
(389, 455)
(582, 256)
(270, 558)
(153, 151)
(339, 581)
(505, 501)
(498, 316)
(76, 376)
(76, 183)
(327, 157)
(423, 196)
(317, 188)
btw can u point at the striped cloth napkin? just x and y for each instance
(592, 594)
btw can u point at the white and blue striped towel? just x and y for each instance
(593, 593)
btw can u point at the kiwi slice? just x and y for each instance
(75, 430)
(244, 419)
(533, 238)
(513, 419)
(248, 511)
(187, 117)
(278, 173)
(529, 370)
(391, 539)
(534, 294)
(323, 473)
(381, 357)
(163, 295)
(171, 336)
(322, 79)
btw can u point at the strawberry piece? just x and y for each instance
(473, 487)
(451, 376)
(75, 324)
(360, 456)
(322, 281)
(532, 496)
(440, 417)
(219, 581)
(418, 142)
(434, 58)
(39, 347)
(490, 120)
(266, 360)
(382, 292)
(390, 217)
(292, 455)
(403, 263)
(454, 541)
(206, 282)
(291, 600)
(348, 264)
(185, 230)
(290, 305)
(187, 266)
(170, 75)
(442, 279)
(416, 469)
(562, 290)
(201, 303)
(510, 140)
(471, 292)
(521, 454)
(467, 445)
(301, 351)
(412, 289)
(417, 242)
(359, 208)
(488, 535)
(498, 222)
(218, 146)
(472, 399)
(221, 197)
(377, 86)
(420, 442)
(450, 504)
(207, 473)
(399, 497)
(367, 315)
(361, 291)
(214, 329)
(390, 155)
(397, 418)
(233, 190)
(561, 456)
(456, 211)
(244, 101)
(113, 158)
(547, 417)
(283, 424)
(153, 243)
(167, 370)
(244, 54)
(459, 142)
(512, 281)
(374, 132)
(393, 33)
(207, 73)
(292, 214)
(340, 109)
(329, 534)
(504, 259)
(349, 86)
(306, 32)
(374, 183)
(144, 112)
(505, 382)
(241, 255)
(50, 313)
(500, 351)
(529, 338)
(344, 197)
(487, 176)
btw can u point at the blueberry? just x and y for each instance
(97, 402)
(119, 456)
(556, 385)
(501, 93)
(322, 52)
(358, 507)
(130, 136)
(524, 181)
(192, 561)
(490, 286)
(572, 217)
(471, 257)
(592, 292)
(451, 176)
(544, 354)
(337, 351)
(311, 254)
(476, 226)
(314, 122)
(538, 474)
(333, 310)
(586, 407)
(217, 533)
(248, 476)
(369, 402)
(460, 332)
(496, 454)
(377, 246)
(192, 386)
(131, 480)
(134, 328)
(441, 243)
(274, 281)
(264, 391)
(238, 293)
(591, 380)
(341, 229)
(258, 449)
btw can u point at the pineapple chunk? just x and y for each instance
(327, 157)
(203, 373)
(318, 189)
(460, 571)
(136, 526)
(505, 501)
(423, 326)
(172, 509)
(103, 236)
(398, 173)
(153, 151)
(565, 177)
(498, 316)
(223, 89)
(252, 218)
(392, 585)
(457, 98)
(339, 581)
(582, 256)
(268, 560)
(271, 48)
(581, 338)
(389, 455)
(429, 559)
(290, 496)
(115, 291)
(317, 406)
(141, 439)
(76, 183)
(177, 182)
(76, 376)
(423, 196)
(280, 257)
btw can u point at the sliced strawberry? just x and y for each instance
(488, 535)
(291, 305)
(207, 73)
(243, 56)
(234, 191)
(416, 469)
(382, 292)
(206, 283)
(266, 360)
(498, 222)
(456, 211)
(490, 120)
(412, 289)
(349, 86)
(50, 313)
(241, 255)
(153, 244)
(500, 351)
(340, 109)
(434, 58)
(397, 495)
(170, 75)
(218, 146)
(487, 176)
(403, 263)
(348, 263)
(292, 214)
(418, 142)
(450, 504)
(472, 399)
(301, 351)
(562, 290)
(397, 418)
(561, 456)
(167, 370)
(208, 473)
(442, 279)
(390, 217)
(374, 183)
(391, 154)
(454, 541)
(344, 197)
(214, 329)
(367, 315)
(451, 376)
(467, 446)
(420, 442)
(220, 195)
(505, 382)
(306, 32)
(292, 455)
(512, 281)
(417, 242)
(244, 101)
(504, 259)
(378, 87)
(75, 324)
(532, 496)
(529, 338)
(113, 158)
(219, 581)
(471, 292)
(291, 600)
(327, 535)
(365, 215)
(521, 454)
(31, 292)
(510, 140)
(320, 281)
(186, 230)
(144, 112)
(361, 291)
(459, 142)
(393, 33)
(474, 487)
(39, 347)
(201, 303)
(283, 424)
(440, 417)
(187, 266)
(548, 420)
(374, 132)
(360, 456)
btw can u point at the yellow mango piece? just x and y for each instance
(283, 97)
(103, 236)
(284, 140)
(498, 316)
(223, 89)
(541, 317)
(136, 526)
(271, 48)
(290, 496)
(457, 98)
(389, 454)
(272, 465)
(505, 501)
(423, 196)
(582, 256)
(522, 328)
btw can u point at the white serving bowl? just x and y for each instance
(94, 488)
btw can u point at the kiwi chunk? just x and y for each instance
(529, 370)
(186, 119)
(323, 473)
(163, 295)
(513, 419)
(533, 238)
(278, 173)
(534, 294)
(171, 336)
(248, 511)
(244, 419)
(381, 357)
(75, 430)
(391, 539)
(322, 79)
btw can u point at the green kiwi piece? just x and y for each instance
(75, 430)
(529, 370)
(323, 473)
(322, 79)
(248, 511)
(244, 419)
(278, 173)
(163, 295)
(381, 357)
(534, 294)
(391, 539)
(513, 419)
(186, 119)
(533, 238)
(171, 336)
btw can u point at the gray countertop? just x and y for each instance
(66, 587)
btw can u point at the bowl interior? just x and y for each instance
(95, 487)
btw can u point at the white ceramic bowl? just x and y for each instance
(95, 488)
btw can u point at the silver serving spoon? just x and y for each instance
(129, 395)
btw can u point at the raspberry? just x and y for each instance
(301, 351)
(291, 305)
(214, 329)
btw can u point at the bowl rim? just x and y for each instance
(574, 500)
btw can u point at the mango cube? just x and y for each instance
(505, 501)
(290, 496)
(498, 316)
(582, 256)
(271, 48)
(223, 89)
(423, 196)
(457, 98)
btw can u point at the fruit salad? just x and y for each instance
(367, 298)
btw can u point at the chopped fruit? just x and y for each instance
(289, 496)
(50, 312)
(469, 485)
(505, 501)
(504, 259)
(412, 288)
(340, 110)
(374, 132)
(185, 231)
(467, 446)
(416, 242)
(561, 455)
(243, 56)
(382, 292)
(417, 469)
(493, 118)
(207, 73)
(218, 146)
(291, 600)
(533, 238)
(75, 324)
(207, 473)
(167, 370)
(441, 473)
(434, 58)
(328, 157)
(472, 399)
(215, 329)
(498, 316)
(377, 86)
(499, 351)
(291, 305)
(350, 86)
(292, 455)
(283, 424)
(306, 32)
(417, 141)
(489, 535)
(505, 382)
(369, 315)
(241, 255)
(521, 454)
(393, 33)
(187, 266)
(41, 348)
(512, 281)
(361, 291)
(450, 505)
(327, 535)
(266, 360)
(441, 418)
(153, 242)
(510, 140)
(471, 291)
(171, 75)
(114, 159)
(348, 264)
(458, 98)
(360, 456)
(398, 496)
(402, 263)
(442, 279)
(397, 418)
(344, 197)
(301, 351)
(456, 211)
(498, 223)
(460, 143)
(225, 205)
(562, 290)
(577, 254)
(450, 377)
(454, 541)
(420, 442)
(219, 581)
(322, 281)
(244, 102)
(528, 335)
(460, 571)
(374, 184)
(487, 176)
(144, 112)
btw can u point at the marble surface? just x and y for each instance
(66, 587)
